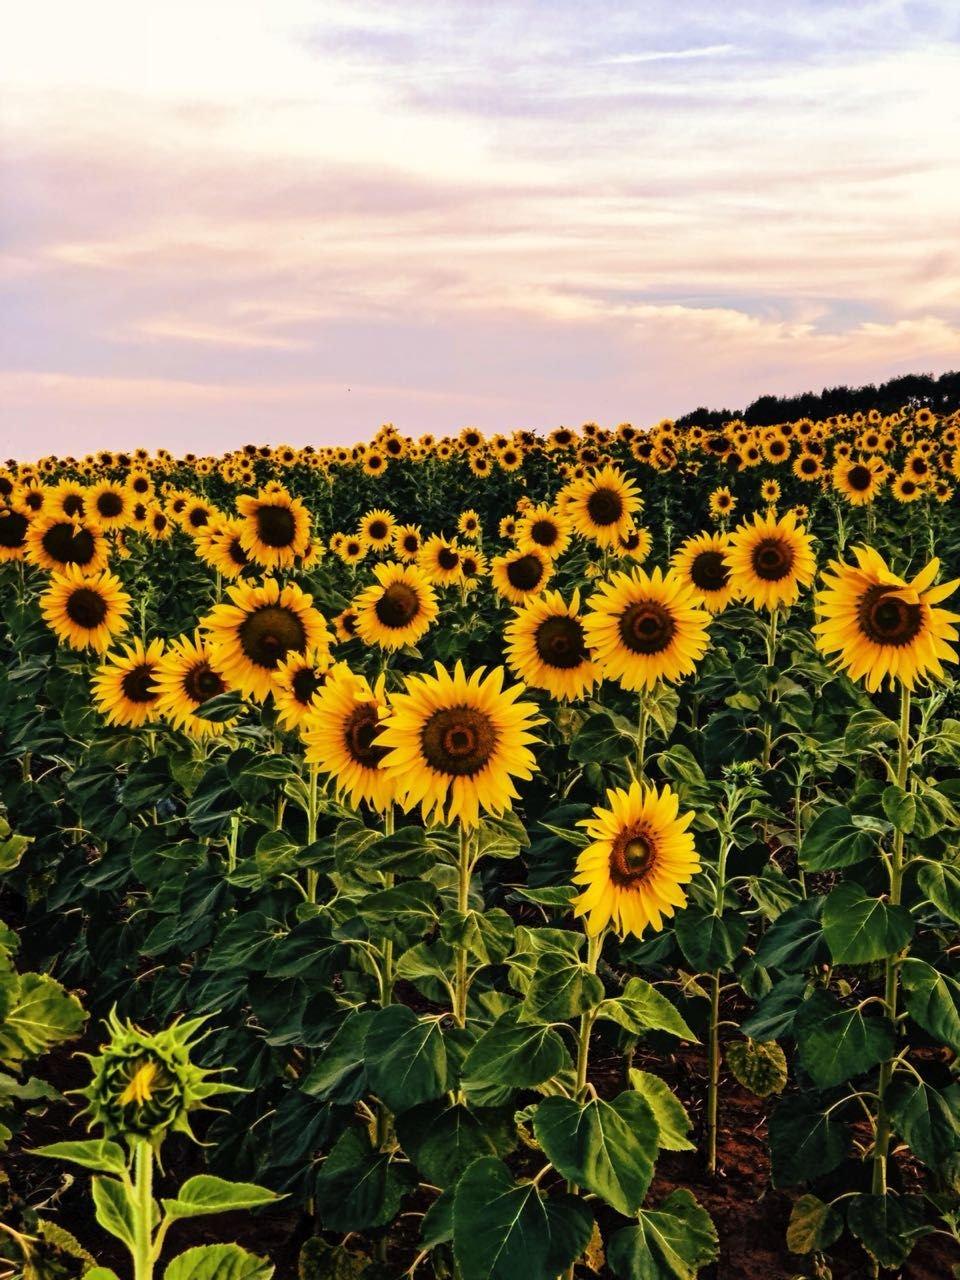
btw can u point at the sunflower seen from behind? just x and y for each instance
(771, 560)
(84, 610)
(397, 609)
(546, 647)
(123, 686)
(340, 737)
(699, 561)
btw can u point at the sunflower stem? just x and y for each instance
(642, 737)
(891, 966)
(142, 1211)
(313, 877)
(771, 642)
(713, 1033)
(463, 903)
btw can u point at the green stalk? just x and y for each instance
(771, 658)
(642, 736)
(143, 1211)
(313, 877)
(463, 903)
(713, 1034)
(891, 966)
(594, 947)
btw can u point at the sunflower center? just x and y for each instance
(411, 544)
(348, 621)
(859, 477)
(808, 466)
(458, 741)
(632, 857)
(605, 506)
(398, 605)
(772, 559)
(544, 533)
(237, 553)
(709, 572)
(198, 517)
(276, 526)
(13, 529)
(525, 573)
(270, 633)
(34, 500)
(447, 558)
(359, 732)
(64, 543)
(887, 620)
(137, 684)
(110, 504)
(201, 683)
(647, 627)
(140, 485)
(377, 530)
(305, 684)
(560, 643)
(73, 505)
(86, 607)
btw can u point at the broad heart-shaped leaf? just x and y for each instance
(486, 935)
(805, 1141)
(561, 990)
(860, 929)
(357, 1187)
(100, 1273)
(759, 1066)
(94, 1153)
(900, 808)
(837, 838)
(940, 881)
(500, 1227)
(814, 1226)
(794, 940)
(887, 1226)
(406, 1057)
(776, 1013)
(933, 1001)
(571, 1226)
(113, 1209)
(339, 1074)
(836, 1044)
(218, 1262)
(510, 1054)
(669, 1112)
(642, 1008)
(608, 1148)
(437, 1225)
(710, 941)
(927, 1120)
(39, 1015)
(443, 1138)
(670, 1243)
(206, 1194)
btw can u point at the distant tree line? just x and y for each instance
(941, 394)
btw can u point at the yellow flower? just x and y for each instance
(770, 561)
(541, 529)
(274, 528)
(518, 575)
(722, 503)
(340, 737)
(123, 685)
(85, 610)
(376, 529)
(298, 680)
(439, 561)
(397, 609)
(602, 505)
(58, 542)
(188, 675)
(700, 563)
(859, 480)
(546, 647)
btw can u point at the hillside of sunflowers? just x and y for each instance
(527, 857)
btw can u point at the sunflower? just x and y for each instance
(700, 563)
(158, 525)
(340, 737)
(109, 504)
(377, 529)
(68, 500)
(518, 575)
(905, 489)
(859, 479)
(879, 625)
(374, 463)
(351, 549)
(407, 541)
(85, 610)
(770, 560)
(646, 627)
(345, 624)
(770, 492)
(640, 854)
(29, 498)
(196, 513)
(188, 675)
(226, 551)
(722, 503)
(509, 458)
(455, 744)
(474, 566)
(480, 463)
(602, 505)
(545, 646)
(541, 529)
(397, 609)
(14, 527)
(261, 626)
(507, 527)
(274, 527)
(439, 561)
(807, 467)
(635, 545)
(123, 688)
(298, 680)
(469, 525)
(56, 542)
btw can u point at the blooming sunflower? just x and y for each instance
(397, 609)
(264, 624)
(541, 529)
(519, 575)
(85, 610)
(640, 854)
(455, 744)
(770, 560)
(602, 505)
(188, 675)
(722, 503)
(770, 492)
(274, 527)
(469, 524)
(646, 627)
(906, 489)
(340, 737)
(56, 542)
(635, 545)
(859, 479)
(226, 552)
(14, 527)
(545, 646)
(880, 625)
(700, 563)
(377, 529)
(439, 561)
(407, 541)
(345, 624)
(109, 503)
(298, 680)
(474, 566)
(123, 686)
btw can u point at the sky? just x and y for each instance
(273, 220)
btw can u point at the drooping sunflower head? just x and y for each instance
(439, 561)
(274, 527)
(85, 610)
(340, 736)
(455, 744)
(259, 629)
(397, 609)
(879, 626)
(543, 529)
(377, 529)
(640, 855)
(298, 681)
(771, 560)
(187, 675)
(643, 628)
(701, 564)
(602, 505)
(58, 542)
(123, 686)
(546, 647)
(519, 574)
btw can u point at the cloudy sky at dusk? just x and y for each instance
(224, 220)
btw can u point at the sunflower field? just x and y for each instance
(533, 857)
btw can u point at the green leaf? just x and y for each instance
(837, 838)
(940, 881)
(608, 1148)
(571, 1228)
(40, 1015)
(406, 1057)
(94, 1153)
(437, 1225)
(100, 1273)
(339, 1073)
(927, 1120)
(560, 990)
(669, 1112)
(670, 1243)
(793, 942)
(933, 1001)
(760, 1067)
(805, 1141)
(642, 1008)
(357, 1187)
(776, 1012)
(218, 1262)
(814, 1226)
(510, 1054)
(206, 1194)
(887, 1226)
(487, 936)
(836, 1044)
(113, 1208)
(900, 808)
(710, 941)
(442, 1139)
(860, 929)
(500, 1227)
(12, 850)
